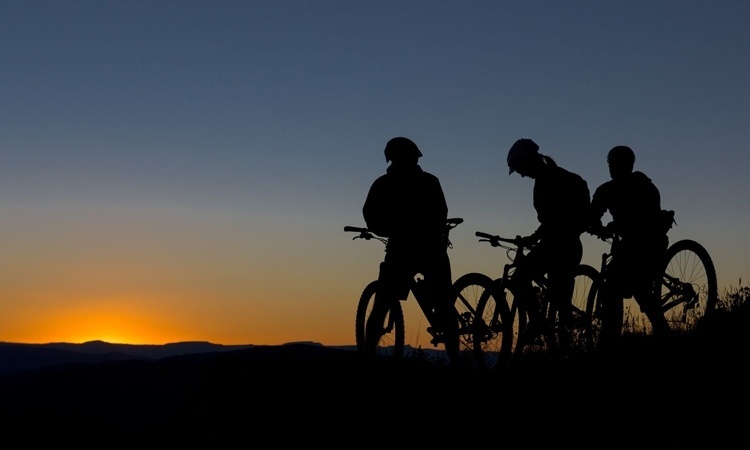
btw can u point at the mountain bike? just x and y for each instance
(391, 339)
(502, 317)
(687, 289)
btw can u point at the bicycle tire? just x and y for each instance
(469, 289)
(690, 262)
(586, 326)
(493, 327)
(605, 321)
(391, 343)
(580, 335)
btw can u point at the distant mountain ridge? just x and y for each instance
(154, 351)
(17, 357)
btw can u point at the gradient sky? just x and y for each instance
(183, 170)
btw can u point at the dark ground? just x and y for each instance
(676, 394)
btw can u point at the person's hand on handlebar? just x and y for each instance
(494, 241)
(527, 241)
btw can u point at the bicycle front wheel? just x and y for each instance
(689, 289)
(469, 289)
(391, 337)
(586, 320)
(494, 327)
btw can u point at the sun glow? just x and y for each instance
(114, 320)
(113, 327)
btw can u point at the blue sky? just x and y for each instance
(183, 170)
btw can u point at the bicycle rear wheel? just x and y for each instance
(390, 342)
(689, 289)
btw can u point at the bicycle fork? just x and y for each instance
(485, 331)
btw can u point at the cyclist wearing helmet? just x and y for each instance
(561, 200)
(634, 203)
(407, 205)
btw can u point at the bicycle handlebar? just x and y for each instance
(365, 233)
(495, 239)
(519, 244)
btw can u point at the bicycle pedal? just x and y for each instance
(435, 331)
(437, 339)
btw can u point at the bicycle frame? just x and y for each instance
(680, 299)
(394, 322)
(539, 283)
(502, 317)
(678, 293)
(424, 301)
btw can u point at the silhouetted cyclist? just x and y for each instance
(407, 205)
(561, 201)
(634, 203)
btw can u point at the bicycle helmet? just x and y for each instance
(520, 152)
(401, 147)
(621, 156)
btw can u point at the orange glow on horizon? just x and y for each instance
(113, 320)
(116, 328)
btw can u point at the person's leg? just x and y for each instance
(560, 292)
(649, 306)
(564, 258)
(647, 290)
(524, 292)
(649, 301)
(437, 275)
(611, 298)
(390, 286)
(526, 296)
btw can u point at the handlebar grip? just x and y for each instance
(355, 229)
(484, 235)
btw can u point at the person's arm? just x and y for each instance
(596, 212)
(374, 210)
(441, 203)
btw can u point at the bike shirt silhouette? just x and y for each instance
(561, 200)
(634, 203)
(407, 205)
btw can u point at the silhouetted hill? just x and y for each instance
(147, 351)
(672, 394)
(16, 357)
